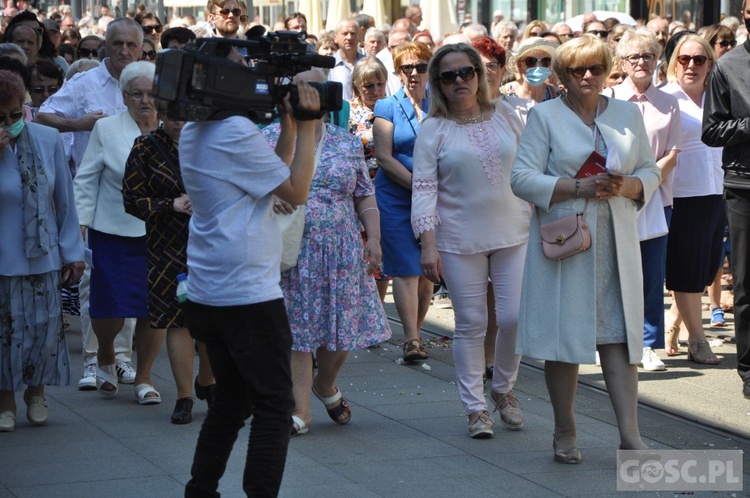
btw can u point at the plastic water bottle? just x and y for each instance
(181, 287)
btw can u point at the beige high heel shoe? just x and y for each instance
(672, 346)
(700, 352)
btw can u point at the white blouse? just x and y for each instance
(461, 185)
(698, 170)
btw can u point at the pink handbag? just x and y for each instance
(565, 237)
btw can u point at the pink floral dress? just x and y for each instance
(331, 300)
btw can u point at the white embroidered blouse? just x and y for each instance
(461, 186)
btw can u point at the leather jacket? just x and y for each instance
(726, 115)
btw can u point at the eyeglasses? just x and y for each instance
(138, 95)
(493, 66)
(685, 59)
(580, 72)
(634, 58)
(150, 55)
(88, 52)
(39, 90)
(407, 69)
(466, 73)
(727, 43)
(147, 30)
(14, 116)
(236, 12)
(243, 18)
(533, 61)
(600, 33)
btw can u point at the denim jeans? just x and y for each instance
(654, 266)
(738, 213)
(250, 349)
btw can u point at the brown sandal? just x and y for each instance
(672, 346)
(413, 350)
(700, 352)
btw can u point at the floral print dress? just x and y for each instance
(331, 300)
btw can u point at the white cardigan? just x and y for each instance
(98, 182)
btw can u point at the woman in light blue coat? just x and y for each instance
(592, 301)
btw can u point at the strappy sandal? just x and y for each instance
(700, 352)
(337, 411)
(717, 318)
(413, 350)
(672, 347)
(142, 392)
(107, 374)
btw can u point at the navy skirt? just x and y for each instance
(118, 278)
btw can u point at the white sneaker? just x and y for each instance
(125, 373)
(88, 379)
(651, 362)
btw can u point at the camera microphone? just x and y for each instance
(323, 61)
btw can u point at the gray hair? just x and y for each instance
(474, 31)
(81, 66)
(731, 22)
(374, 32)
(127, 23)
(13, 50)
(139, 69)
(502, 26)
(345, 22)
(641, 37)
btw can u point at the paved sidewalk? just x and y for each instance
(407, 438)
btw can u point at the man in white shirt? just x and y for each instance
(347, 37)
(76, 107)
(385, 56)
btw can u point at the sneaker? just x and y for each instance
(717, 318)
(507, 405)
(480, 425)
(442, 300)
(88, 379)
(651, 362)
(125, 373)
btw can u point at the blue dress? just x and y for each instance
(401, 252)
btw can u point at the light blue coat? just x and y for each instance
(558, 301)
(65, 242)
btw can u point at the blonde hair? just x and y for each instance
(672, 68)
(438, 102)
(364, 69)
(579, 51)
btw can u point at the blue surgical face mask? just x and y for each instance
(537, 75)
(16, 128)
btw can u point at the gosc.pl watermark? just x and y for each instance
(679, 470)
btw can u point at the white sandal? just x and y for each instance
(298, 422)
(141, 394)
(107, 374)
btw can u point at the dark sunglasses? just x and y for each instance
(407, 69)
(580, 72)
(14, 116)
(41, 89)
(236, 12)
(698, 59)
(88, 52)
(600, 33)
(727, 43)
(150, 55)
(466, 73)
(150, 29)
(533, 61)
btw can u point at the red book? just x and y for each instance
(594, 165)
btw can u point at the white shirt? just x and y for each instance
(698, 170)
(93, 90)
(342, 72)
(394, 82)
(234, 248)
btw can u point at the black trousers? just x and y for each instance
(250, 352)
(738, 213)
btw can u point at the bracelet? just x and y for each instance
(367, 209)
(578, 185)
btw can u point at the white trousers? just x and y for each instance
(466, 276)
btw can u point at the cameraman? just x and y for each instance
(235, 304)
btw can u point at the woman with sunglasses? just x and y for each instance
(720, 38)
(397, 122)
(88, 47)
(151, 25)
(148, 50)
(593, 301)
(471, 226)
(45, 79)
(36, 194)
(532, 66)
(639, 53)
(694, 249)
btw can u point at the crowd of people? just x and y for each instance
(448, 164)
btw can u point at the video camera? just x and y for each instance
(199, 83)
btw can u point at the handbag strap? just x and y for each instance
(407, 116)
(168, 160)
